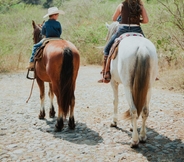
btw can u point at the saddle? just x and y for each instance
(113, 53)
(114, 49)
(39, 52)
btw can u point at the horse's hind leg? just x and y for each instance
(60, 123)
(145, 113)
(51, 96)
(115, 102)
(133, 114)
(42, 98)
(71, 122)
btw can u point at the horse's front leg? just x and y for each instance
(145, 113)
(115, 102)
(71, 122)
(51, 96)
(42, 98)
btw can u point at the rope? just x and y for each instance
(31, 91)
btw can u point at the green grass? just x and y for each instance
(84, 25)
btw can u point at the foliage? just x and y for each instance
(48, 3)
(5, 5)
(175, 11)
(34, 2)
(84, 25)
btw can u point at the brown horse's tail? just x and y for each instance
(140, 81)
(66, 81)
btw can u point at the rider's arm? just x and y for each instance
(144, 16)
(117, 12)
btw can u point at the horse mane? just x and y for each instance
(37, 36)
(112, 28)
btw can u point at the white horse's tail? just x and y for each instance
(140, 80)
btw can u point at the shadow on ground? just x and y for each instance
(81, 135)
(158, 148)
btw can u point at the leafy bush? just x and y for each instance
(84, 25)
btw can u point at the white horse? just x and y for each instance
(135, 66)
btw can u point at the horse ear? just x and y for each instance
(34, 25)
(107, 25)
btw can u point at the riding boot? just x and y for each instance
(103, 70)
(107, 74)
(31, 66)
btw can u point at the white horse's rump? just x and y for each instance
(136, 68)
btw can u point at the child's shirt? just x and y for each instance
(52, 28)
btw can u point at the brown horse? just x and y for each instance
(59, 66)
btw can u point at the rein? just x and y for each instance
(31, 91)
(32, 82)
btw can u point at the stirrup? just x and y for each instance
(28, 74)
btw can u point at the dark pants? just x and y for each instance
(121, 30)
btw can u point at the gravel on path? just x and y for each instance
(25, 138)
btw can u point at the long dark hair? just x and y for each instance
(135, 10)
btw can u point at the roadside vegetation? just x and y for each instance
(84, 25)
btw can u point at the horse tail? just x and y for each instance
(140, 80)
(66, 81)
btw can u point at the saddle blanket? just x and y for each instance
(114, 49)
(127, 35)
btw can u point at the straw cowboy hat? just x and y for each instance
(52, 11)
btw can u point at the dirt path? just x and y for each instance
(23, 137)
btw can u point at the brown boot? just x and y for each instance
(107, 75)
(103, 70)
(31, 66)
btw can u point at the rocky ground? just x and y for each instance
(23, 137)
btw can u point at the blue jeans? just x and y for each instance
(35, 47)
(121, 30)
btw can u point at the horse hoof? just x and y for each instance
(52, 114)
(59, 125)
(143, 139)
(71, 126)
(41, 115)
(114, 124)
(134, 144)
(71, 123)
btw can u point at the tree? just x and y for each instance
(48, 4)
(176, 11)
(34, 2)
